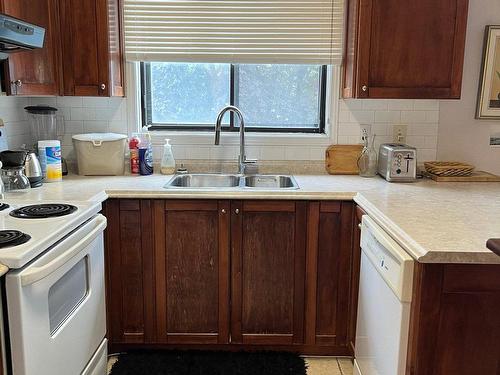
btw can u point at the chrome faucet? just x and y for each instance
(243, 162)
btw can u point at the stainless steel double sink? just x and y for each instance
(231, 181)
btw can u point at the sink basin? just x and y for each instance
(220, 181)
(271, 182)
(201, 181)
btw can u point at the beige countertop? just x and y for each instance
(434, 222)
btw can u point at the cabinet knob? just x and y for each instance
(17, 83)
(103, 86)
(364, 88)
(223, 211)
(237, 211)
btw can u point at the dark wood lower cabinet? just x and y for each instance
(192, 271)
(267, 272)
(328, 274)
(355, 270)
(130, 272)
(229, 274)
(455, 320)
(281, 275)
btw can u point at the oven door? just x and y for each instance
(56, 305)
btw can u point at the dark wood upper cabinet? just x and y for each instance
(36, 72)
(405, 49)
(82, 54)
(192, 271)
(92, 48)
(268, 272)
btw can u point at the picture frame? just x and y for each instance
(488, 102)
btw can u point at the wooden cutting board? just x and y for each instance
(477, 176)
(343, 159)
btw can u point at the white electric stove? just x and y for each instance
(44, 232)
(54, 291)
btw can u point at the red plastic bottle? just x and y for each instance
(133, 146)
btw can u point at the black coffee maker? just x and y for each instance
(12, 172)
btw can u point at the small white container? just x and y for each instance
(167, 161)
(49, 153)
(100, 154)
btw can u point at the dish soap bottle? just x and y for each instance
(167, 161)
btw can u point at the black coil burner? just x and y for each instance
(3, 206)
(43, 211)
(12, 238)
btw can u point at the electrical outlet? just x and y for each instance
(399, 133)
(366, 131)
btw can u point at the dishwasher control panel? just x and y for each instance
(393, 263)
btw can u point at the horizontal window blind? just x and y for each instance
(235, 31)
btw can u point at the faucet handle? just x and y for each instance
(250, 166)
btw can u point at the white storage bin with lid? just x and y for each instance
(100, 154)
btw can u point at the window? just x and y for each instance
(278, 98)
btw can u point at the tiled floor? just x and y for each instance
(329, 366)
(316, 365)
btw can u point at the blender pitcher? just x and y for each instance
(44, 124)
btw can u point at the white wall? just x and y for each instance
(461, 137)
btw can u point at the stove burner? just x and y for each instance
(43, 211)
(12, 238)
(3, 206)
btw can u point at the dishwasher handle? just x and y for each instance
(37, 273)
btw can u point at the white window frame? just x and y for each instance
(194, 137)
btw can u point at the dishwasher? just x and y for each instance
(385, 291)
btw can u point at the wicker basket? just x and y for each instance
(448, 168)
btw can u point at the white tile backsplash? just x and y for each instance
(421, 117)
(90, 114)
(16, 129)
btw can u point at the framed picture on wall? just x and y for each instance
(488, 103)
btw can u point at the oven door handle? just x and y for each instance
(37, 273)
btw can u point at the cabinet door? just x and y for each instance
(91, 44)
(268, 270)
(35, 72)
(129, 264)
(355, 269)
(405, 49)
(328, 273)
(192, 271)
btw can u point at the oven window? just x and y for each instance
(67, 294)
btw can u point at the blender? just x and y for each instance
(45, 125)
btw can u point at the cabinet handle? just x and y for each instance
(223, 210)
(364, 88)
(17, 83)
(103, 86)
(237, 211)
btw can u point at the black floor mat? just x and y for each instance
(208, 363)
